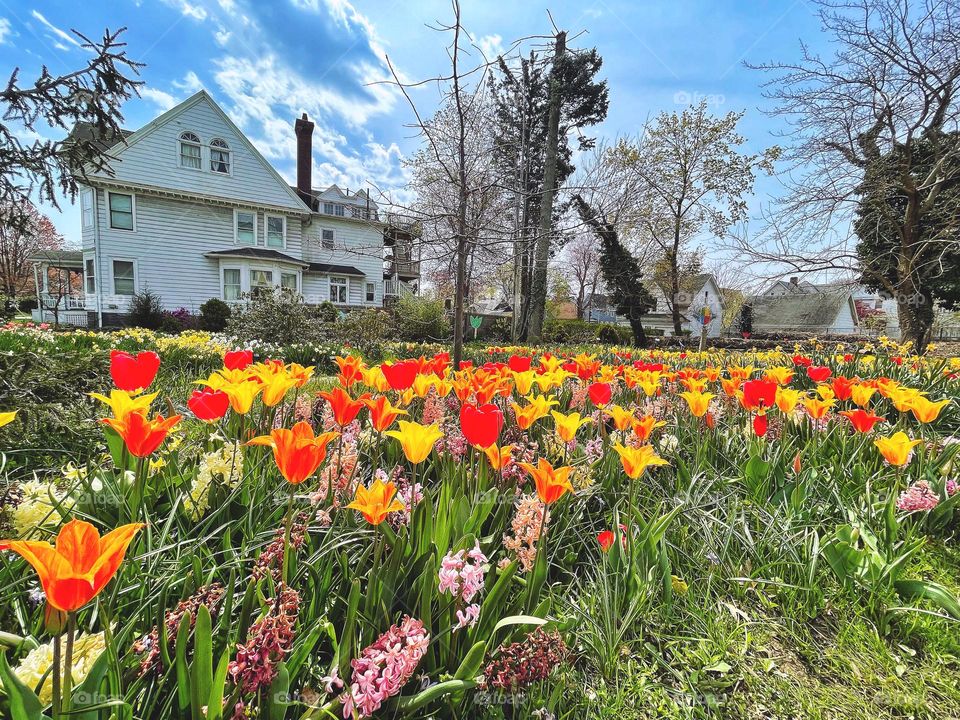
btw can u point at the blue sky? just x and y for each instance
(266, 62)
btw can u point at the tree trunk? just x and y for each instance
(541, 256)
(915, 314)
(639, 335)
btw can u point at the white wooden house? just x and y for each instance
(193, 211)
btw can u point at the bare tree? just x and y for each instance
(686, 178)
(92, 94)
(580, 262)
(876, 119)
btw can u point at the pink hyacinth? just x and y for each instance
(917, 497)
(384, 667)
(953, 487)
(461, 573)
(468, 616)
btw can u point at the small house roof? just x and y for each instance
(813, 312)
(256, 253)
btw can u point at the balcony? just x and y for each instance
(402, 268)
(397, 289)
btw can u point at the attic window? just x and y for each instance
(219, 156)
(189, 150)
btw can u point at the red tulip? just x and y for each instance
(238, 359)
(133, 373)
(209, 404)
(519, 363)
(802, 361)
(760, 425)
(400, 375)
(605, 539)
(841, 387)
(818, 373)
(759, 393)
(862, 420)
(600, 393)
(481, 426)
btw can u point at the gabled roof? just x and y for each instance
(131, 139)
(814, 312)
(88, 131)
(58, 258)
(256, 253)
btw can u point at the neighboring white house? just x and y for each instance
(800, 306)
(193, 211)
(697, 292)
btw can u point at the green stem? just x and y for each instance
(68, 662)
(57, 675)
(288, 526)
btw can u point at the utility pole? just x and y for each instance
(538, 289)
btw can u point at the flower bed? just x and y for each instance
(242, 538)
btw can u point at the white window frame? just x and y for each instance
(113, 279)
(88, 261)
(368, 290)
(261, 268)
(333, 240)
(223, 283)
(296, 276)
(266, 230)
(133, 211)
(227, 149)
(345, 286)
(86, 213)
(330, 204)
(198, 144)
(236, 228)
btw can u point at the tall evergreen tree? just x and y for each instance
(621, 272)
(521, 105)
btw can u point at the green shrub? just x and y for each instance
(146, 311)
(366, 330)
(8, 307)
(28, 304)
(570, 331)
(214, 314)
(279, 316)
(420, 318)
(327, 312)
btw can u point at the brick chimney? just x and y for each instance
(793, 281)
(303, 129)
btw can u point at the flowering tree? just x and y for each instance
(20, 241)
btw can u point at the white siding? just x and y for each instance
(168, 246)
(357, 244)
(154, 160)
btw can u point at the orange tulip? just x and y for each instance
(351, 369)
(862, 420)
(646, 425)
(376, 502)
(636, 459)
(141, 435)
(297, 452)
(79, 567)
(345, 408)
(382, 413)
(927, 411)
(499, 457)
(552, 483)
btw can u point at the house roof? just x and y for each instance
(331, 269)
(59, 258)
(88, 131)
(256, 253)
(813, 312)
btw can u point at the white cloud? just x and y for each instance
(222, 36)
(163, 99)
(491, 46)
(5, 30)
(194, 11)
(190, 83)
(67, 37)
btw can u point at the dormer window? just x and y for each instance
(219, 156)
(189, 150)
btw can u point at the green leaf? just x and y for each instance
(201, 669)
(215, 702)
(930, 591)
(183, 670)
(86, 696)
(470, 665)
(434, 692)
(279, 697)
(24, 703)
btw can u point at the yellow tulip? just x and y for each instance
(896, 449)
(697, 402)
(817, 408)
(787, 399)
(567, 425)
(7, 417)
(926, 411)
(637, 459)
(376, 502)
(538, 407)
(416, 440)
(861, 394)
(122, 403)
(523, 381)
(622, 418)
